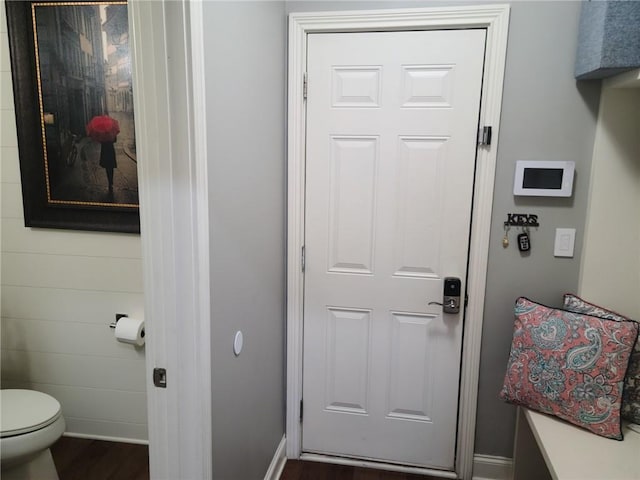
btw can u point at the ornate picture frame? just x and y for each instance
(73, 100)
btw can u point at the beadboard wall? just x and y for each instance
(59, 292)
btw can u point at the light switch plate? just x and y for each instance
(565, 241)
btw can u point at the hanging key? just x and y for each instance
(524, 243)
(505, 239)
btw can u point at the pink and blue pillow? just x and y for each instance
(631, 395)
(569, 365)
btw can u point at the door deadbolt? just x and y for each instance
(450, 295)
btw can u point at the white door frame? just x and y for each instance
(495, 19)
(169, 96)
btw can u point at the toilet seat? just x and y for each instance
(26, 411)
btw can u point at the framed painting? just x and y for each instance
(73, 95)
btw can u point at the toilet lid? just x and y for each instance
(24, 411)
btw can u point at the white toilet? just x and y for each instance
(30, 422)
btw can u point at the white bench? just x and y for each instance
(548, 448)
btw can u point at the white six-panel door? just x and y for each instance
(392, 121)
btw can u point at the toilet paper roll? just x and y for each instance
(130, 330)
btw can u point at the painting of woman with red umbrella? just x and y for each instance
(105, 130)
(78, 148)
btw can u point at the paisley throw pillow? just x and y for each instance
(569, 365)
(631, 395)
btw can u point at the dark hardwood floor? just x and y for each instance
(82, 459)
(302, 470)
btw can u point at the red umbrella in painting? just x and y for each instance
(103, 128)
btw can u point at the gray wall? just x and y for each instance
(245, 81)
(545, 116)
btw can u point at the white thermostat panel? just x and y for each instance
(539, 178)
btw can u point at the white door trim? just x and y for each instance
(168, 60)
(495, 18)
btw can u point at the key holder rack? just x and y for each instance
(524, 221)
(521, 220)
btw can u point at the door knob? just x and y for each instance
(450, 296)
(450, 306)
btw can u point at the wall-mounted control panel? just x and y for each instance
(541, 178)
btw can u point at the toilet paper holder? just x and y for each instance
(118, 317)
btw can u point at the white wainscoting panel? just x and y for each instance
(59, 291)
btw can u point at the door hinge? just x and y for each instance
(301, 410)
(304, 85)
(466, 300)
(160, 377)
(302, 259)
(484, 136)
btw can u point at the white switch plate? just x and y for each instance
(565, 241)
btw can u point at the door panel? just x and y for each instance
(419, 211)
(347, 353)
(411, 367)
(353, 163)
(392, 122)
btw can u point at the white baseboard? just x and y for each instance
(488, 467)
(105, 438)
(277, 463)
